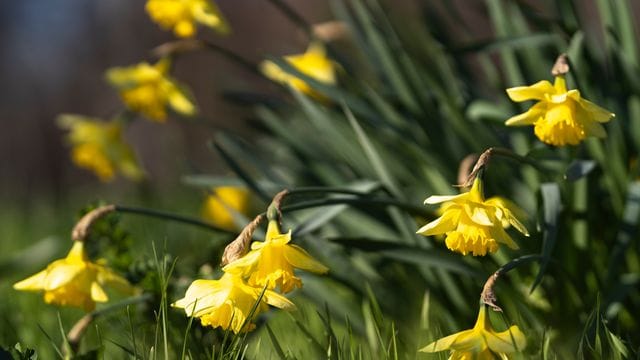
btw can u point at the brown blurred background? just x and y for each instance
(55, 52)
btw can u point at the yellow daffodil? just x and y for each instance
(148, 89)
(227, 302)
(98, 146)
(481, 342)
(182, 16)
(560, 117)
(313, 63)
(75, 281)
(222, 202)
(271, 263)
(471, 223)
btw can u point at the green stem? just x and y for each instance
(293, 16)
(168, 216)
(412, 209)
(334, 190)
(488, 296)
(510, 154)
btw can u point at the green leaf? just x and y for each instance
(552, 206)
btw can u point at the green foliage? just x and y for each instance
(417, 95)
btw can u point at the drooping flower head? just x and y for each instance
(271, 263)
(148, 89)
(481, 342)
(227, 302)
(560, 116)
(220, 204)
(75, 281)
(471, 223)
(183, 15)
(99, 146)
(313, 63)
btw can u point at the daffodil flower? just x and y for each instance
(149, 90)
(75, 281)
(481, 342)
(271, 263)
(222, 202)
(471, 223)
(227, 302)
(183, 15)
(313, 63)
(99, 146)
(560, 116)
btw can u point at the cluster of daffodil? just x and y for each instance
(473, 225)
(149, 90)
(250, 283)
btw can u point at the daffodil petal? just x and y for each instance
(593, 128)
(301, 259)
(527, 118)
(97, 293)
(61, 274)
(478, 214)
(436, 199)
(274, 299)
(442, 344)
(536, 91)
(180, 103)
(33, 283)
(596, 112)
(245, 264)
(508, 341)
(443, 224)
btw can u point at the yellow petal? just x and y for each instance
(97, 293)
(445, 343)
(244, 265)
(596, 113)
(180, 103)
(61, 273)
(436, 199)
(445, 223)
(32, 283)
(508, 341)
(300, 259)
(274, 299)
(529, 117)
(536, 91)
(478, 214)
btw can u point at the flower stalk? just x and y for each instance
(488, 295)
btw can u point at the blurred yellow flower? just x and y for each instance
(481, 342)
(75, 281)
(313, 63)
(148, 89)
(222, 202)
(227, 302)
(182, 16)
(560, 117)
(471, 223)
(272, 262)
(98, 146)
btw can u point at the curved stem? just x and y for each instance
(485, 157)
(168, 216)
(326, 190)
(412, 209)
(293, 16)
(488, 296)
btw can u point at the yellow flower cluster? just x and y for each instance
(182, 16)
(75, 281)
(268, 267)
(99, 147)
(472, 224)
(149, 90)
(313, 63)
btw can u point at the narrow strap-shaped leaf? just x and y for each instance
(552, 206)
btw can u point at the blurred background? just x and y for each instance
(55, 53)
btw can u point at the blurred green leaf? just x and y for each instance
(552, 206)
